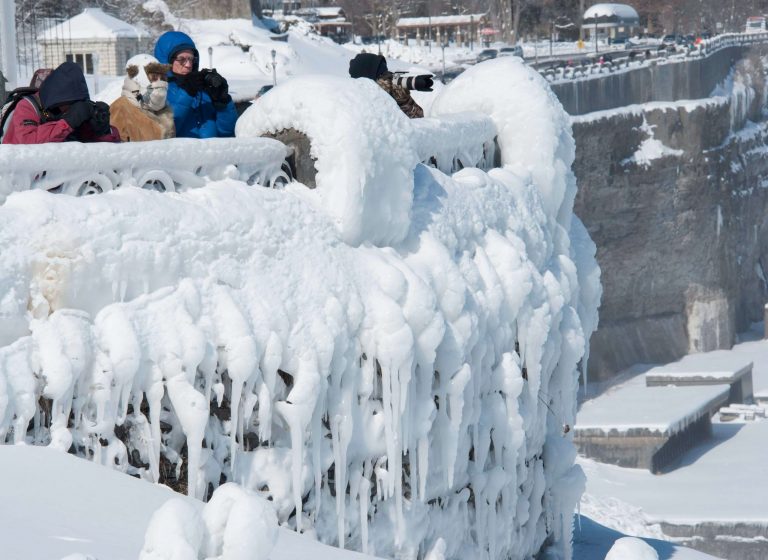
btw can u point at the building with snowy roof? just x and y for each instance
(610, 21)
(97, 41)
(328, 21)
(459, 28)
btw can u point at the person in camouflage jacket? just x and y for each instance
(374, 67)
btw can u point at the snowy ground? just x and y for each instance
(720, 481)
(54, 505)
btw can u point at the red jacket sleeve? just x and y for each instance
(25, 127)
(85, 134)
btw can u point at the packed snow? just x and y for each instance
(398, 377)
(48, 514)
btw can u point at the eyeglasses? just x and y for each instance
(184, 60)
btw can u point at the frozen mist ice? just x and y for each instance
(389, 359)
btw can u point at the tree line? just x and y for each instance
(517, 19)
(514, 19)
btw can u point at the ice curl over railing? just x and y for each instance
(164, 165)
(401, 392)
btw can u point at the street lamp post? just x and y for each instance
(443, 45)
(471, 31)
(210, 57)
(429, 31)
(551, 37)
(274, 67)
(596, 35)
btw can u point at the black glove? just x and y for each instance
(78, 113)
(100, 119)
(192, 83)
(217, 88)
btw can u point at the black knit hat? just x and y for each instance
(368, 65)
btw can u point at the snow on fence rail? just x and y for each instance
(164, 165)
(390, 358)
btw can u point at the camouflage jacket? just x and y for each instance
(402, 96)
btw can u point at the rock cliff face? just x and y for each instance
(675, 197)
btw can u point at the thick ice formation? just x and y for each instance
(391, 359)
(236, 524)
(364, 152)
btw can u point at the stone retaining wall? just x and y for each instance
(682, 239)
(662, 80)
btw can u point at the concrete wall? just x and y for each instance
(659, 81)
(682, 241)
(742, 541)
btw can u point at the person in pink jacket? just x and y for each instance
(61, 111)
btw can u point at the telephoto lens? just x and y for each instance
(422, 82)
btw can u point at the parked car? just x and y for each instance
(517, 50)
(263, 90)
(449, 75)
(487, 54)
(669, 40)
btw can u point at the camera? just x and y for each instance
(422, 82)
(212, 79)
(100, 117)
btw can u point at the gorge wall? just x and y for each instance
(674, 195)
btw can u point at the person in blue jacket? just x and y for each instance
(202, 106)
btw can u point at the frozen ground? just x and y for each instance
(54, 504)
(719, 481)
(47, 514)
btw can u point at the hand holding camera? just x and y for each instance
(78, 113)
(215, 85)
(100, 119)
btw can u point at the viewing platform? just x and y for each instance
(720, 367)
(637, 426)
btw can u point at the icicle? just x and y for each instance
(154, 399)
(338, 470)
(456, 399)
(317, 439)
(389, 427)
(423, 466)
(123, 289)
(365, 492)
(192, 411)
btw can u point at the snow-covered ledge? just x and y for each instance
(390, 359)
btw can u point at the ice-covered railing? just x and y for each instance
(452, 142)
(390, 358)
(165, 165)
(638, 59)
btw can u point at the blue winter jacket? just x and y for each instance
(194, 116)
